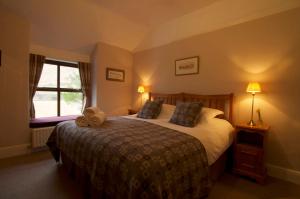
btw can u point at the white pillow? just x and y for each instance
(167, 111)
(209, 113)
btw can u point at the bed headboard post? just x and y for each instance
(222, 102)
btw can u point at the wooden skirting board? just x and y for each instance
(15, 150)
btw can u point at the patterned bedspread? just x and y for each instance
(135, 159)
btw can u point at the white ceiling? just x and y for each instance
(77, 25)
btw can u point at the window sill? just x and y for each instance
(49, 121)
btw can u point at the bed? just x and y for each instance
(130, 157)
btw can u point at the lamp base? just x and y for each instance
(251, 123)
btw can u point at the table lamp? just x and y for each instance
(141, 90)
(253, 87)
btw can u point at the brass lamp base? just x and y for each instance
(251, 123)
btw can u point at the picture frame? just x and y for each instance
(114, 74)
(187, 66)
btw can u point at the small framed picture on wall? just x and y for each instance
(187, 66)
(114, 74)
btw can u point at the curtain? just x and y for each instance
(36, 63)
(85, 78)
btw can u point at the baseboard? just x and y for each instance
(14, 150)
(284, 173)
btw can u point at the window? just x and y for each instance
(59, 90)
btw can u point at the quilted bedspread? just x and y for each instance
(135, 159)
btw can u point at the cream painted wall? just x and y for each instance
(59, 54)
(265, 50)
(14, 116)
(111, 96)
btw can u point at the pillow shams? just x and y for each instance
(209, 113)
(150, 110)
(187, 114)
(167, 111)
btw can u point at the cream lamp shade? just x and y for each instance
(253, 87)
(141, 89)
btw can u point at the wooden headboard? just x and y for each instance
(221, 102)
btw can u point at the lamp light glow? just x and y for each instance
(141, 89)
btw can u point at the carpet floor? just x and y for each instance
(37, 176)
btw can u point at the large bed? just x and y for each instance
(130, 157)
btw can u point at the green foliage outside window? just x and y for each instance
(73, 82)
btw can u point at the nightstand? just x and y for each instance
(249, 151)
(132, 111)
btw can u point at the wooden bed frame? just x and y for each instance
(221, 102)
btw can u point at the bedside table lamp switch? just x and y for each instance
(253, 87)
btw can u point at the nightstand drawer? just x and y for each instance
(247, 150)
(248, 158)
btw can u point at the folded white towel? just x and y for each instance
(96, 119)
(81, 121)
(88, 112)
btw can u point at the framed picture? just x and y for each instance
(187, 66)
(115, 74)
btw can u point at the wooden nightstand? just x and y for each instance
(132, 111)
(249, 151)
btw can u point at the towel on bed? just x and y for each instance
(96, 119)
(92, 117)
(90, 111)
(81, 121)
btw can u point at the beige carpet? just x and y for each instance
(37, 176)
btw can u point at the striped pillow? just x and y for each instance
(187, 114)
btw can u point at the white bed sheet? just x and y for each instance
(216, 135)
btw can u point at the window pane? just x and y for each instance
(69, 77)
(70, 103)
(49, 76)
(45, 104)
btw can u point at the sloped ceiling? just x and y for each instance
(77, 25)
(153, 12)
